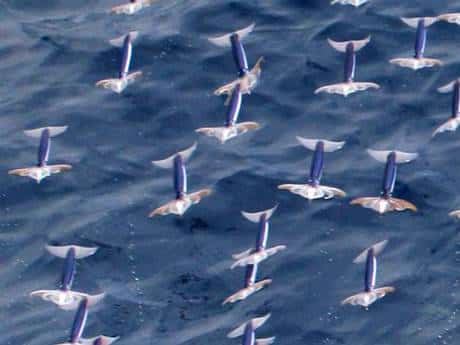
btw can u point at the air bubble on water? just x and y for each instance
(445, 334)
(137, 286)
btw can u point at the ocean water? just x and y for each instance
(166, 277)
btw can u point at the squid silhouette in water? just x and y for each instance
(231, 128)
(64, 297)
(418, 61)
(42, 169)
(253, 256)
(247, 78)
(452, 123)
(386, 202)
(370, 293)
(314, 189)
(349, 85)
(183, 200)
(125, 78)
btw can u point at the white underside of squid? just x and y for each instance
(450, 125)
(104, 340)
(453, 18)
(132, 7)
(347, 88)
(225, 133)
(119, 84)
(355, 3)
(80, 341)
(455, 214)
(310, 192)
(416, 63)
(179, 206)
(265, 341)
(365, 299)
(67, 300)
(247, 82)
(39, 173)
(246, 292)
(243, 254)
(255, 257)
(382, 205)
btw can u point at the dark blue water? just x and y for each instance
(166, 277)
